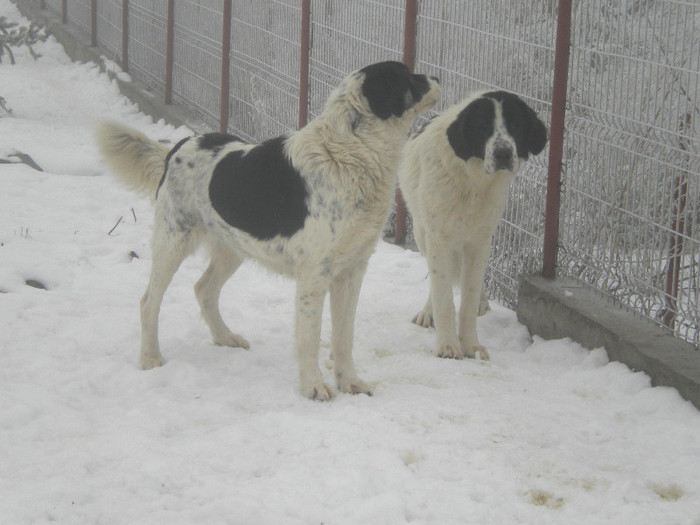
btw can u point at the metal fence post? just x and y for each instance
(409, 58)
(675, 250)
(225, 68)
(64, 11)
(125, 35)
(304, 62)
(169, 43)
(556, 139)
(93, 23)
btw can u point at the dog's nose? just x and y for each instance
(503, 158)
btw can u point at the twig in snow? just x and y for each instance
(23, 159)
(121, 219)
(3, 105)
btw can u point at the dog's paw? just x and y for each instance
(353, 385)
(152, 361)
(451, 351)
(477, 350)
(484, 306)
(424, 319)
(318, 391)
(232, 340)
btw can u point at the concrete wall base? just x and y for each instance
(564, 307)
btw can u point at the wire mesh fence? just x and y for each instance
(347, 36)
(630, 205)
(630, 208)
(197, 58)
(109, 28)
(147, 30)
(79, 15)
(264, 74)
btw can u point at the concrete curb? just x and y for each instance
(564, 307)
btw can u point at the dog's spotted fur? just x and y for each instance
(454, 175)
(309, 205)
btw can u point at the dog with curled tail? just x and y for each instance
(309, 205)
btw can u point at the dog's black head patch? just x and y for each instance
(523, 124)
(477, 124)
(390, 88)
(472, 128)
(260, 192)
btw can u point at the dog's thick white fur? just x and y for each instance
(454, 175)
(310, 205)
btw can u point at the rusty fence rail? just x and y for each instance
(614, 201)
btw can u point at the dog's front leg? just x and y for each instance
(474, 262)
(439, 265)
(345, 291)
(309, 310)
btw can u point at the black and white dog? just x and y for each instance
(454, 175)
(310, 205)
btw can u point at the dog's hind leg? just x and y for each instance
(169, 250)
(441, 265)
(423, 318)
(484, 301)
(344, 292)
(309, 308)
(208, 289)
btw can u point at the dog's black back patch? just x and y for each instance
(390, 88)
(522, 123)
(260, 192)
(216, 141)
(472, 128)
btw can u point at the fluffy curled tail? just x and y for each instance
(137, 161)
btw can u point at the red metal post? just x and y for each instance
(93, 23)
(64, 11)
(304, 62)
(225, 68)
(410, 26)
(169, 43)
(556, 139)
(125, 35)
(410, 30)
(673, 273)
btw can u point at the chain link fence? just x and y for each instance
(630, 203)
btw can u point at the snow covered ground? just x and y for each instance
(547, 432)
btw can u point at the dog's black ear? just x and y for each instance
(456, 137)
(385, 87)
(537, 137)
(472, 128)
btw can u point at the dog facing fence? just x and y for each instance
(628, 131)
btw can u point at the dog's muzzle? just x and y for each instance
(433, 94)
(503, 158)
